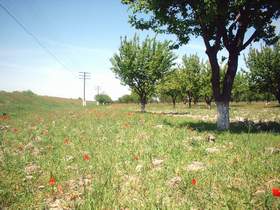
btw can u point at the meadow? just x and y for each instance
(56, 154)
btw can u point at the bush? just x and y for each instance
(103, 99)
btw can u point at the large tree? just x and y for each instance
(223, 24)
(142, 65)
(264, 67)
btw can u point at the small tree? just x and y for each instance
(142, 65)
(228, 24)
(205, 90)
(240, 90)
(170, 86)
(264, 67)
(190, 77)
(103, 99)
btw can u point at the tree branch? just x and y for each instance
(254, 35)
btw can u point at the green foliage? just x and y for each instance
(103, 99)
(219, 19)
(241, 89)
(205, 90)
(264, 67)
(142, 65)
(132, 98)
(190, 77)
(221, 24)
(170, 85)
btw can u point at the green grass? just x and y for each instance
(54, 134)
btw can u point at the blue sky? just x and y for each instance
(82, 34)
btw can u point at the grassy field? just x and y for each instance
(55, 154)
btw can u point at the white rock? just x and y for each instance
(174, 182)
(212, 150)
(157, 162)
(196, 166)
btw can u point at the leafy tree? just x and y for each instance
(205, 90)
(190, 77)
(103, 99)
(229, 24)
(240, 88)
(264, 67)
(142, 65)
(171, 86)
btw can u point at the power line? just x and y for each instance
(48, 51)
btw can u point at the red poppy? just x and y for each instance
(45, 132)
(66, 141)
(52, 181)
(126, 125)
(59, 188)
(136, 157)
(86, 157)
(276, 192)
(193, 181)
(129, 113)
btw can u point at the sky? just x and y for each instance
(83, 35)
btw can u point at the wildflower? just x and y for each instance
(66, 141)
(45, 132)
(86, 157)
(193, 181)
(126, 125)
(276, 192)
(59, 188)
(52, 181)
(136, 157)
(15, 130)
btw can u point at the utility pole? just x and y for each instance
(84, 76)
(97, 89)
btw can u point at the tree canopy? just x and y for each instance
(142, 65)
(264, 67)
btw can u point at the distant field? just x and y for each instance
(55, 154)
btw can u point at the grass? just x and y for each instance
(136, 161)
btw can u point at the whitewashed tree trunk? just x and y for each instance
(143, 105)
(223, 115)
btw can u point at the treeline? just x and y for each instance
(190, 82)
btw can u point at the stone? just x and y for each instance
(259, 192)
(196, 166)
(139, 168)
(211, 138)
(31, 169)
(174, 182)
(157, 162)
(159, 126)
(272, 150)
(211, 150)
(69, 158)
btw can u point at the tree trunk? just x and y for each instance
(174, 102)
(190, 103)
(223, 115)
(190, 99)
(143, 105)
(277, 95)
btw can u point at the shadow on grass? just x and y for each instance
(235, 127)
